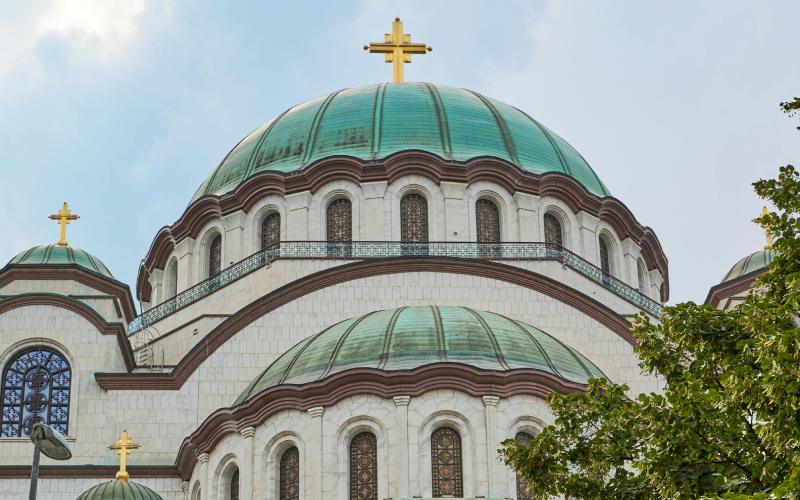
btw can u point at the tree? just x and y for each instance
(727, 423)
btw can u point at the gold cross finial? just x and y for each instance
(63, 216)
(123, 447)
(397, 49)
(767, 235)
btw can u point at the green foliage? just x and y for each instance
(727, 423)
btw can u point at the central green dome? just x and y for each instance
(376, 121)
(411, 337)
(57, 255)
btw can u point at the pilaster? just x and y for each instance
(587, 228)
(401, 405)
(456, 212)
(183, 250)
(297, 215)
(315, 455)
(372, 210)
(246, 475)
(490, 410)
(528, 216)
(205, 484)
(156, 280)
(234, 236)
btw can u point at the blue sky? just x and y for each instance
(123, 108)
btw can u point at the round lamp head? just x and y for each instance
(51, 442)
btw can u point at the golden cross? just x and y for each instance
(123, 447)
(397, 49)
(768, 244)
(63, 216)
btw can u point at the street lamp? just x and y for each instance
(48, 441)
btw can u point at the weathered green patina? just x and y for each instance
(56, 255)
(409, 337)
(376, 121)
(753, 262)
(119, 490)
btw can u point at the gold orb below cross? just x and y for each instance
(397, 49)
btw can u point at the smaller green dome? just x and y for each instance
(119, 490)
(410, 337)
(57, 255)
(754, 262)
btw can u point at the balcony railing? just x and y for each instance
(360, 250)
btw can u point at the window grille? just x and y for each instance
(414, 219)
(446, 472)
(522, 489)
(364, 467)
(290, 475)
(270, 230)
(215, 256)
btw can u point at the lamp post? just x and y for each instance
(48, 441)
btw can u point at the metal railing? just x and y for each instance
(360, 250)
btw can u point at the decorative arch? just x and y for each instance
(171, 279)
(376, 463)
(641, 272)
(606, 254)
(273, 453)
(196, 491)
(36, 387)
(459, 424)
(227, 478)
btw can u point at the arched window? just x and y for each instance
(197, 493)
(215, 256)
(414, 219)
(171, 280)
(289, 487)
(604, 260)
(552, 230)
(487, 217)
(446, 474)
(270, 230)
(36, 388)
(234, 486)
(522, 489)
(340, 220)
(642, 271)
(364, 467)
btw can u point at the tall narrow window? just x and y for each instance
(414, 219)
(171, 285)
(364, 467)
(215, 256)
(552, 230)
(487, 221)
(522, 489)
(234, 490)
(604, 262)
(642, 271)
(446, 473)
(270, 230)
(339, 225)
(36, 388)
(289, 488)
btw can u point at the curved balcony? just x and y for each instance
(360, 250)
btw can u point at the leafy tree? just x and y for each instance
(727, 423)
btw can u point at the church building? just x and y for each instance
(362, 300)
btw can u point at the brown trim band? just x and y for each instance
(14, 272)
(349, 272)
(106, 472)
(116, 329)
(428, 165)
(732, 287)
(361, 381)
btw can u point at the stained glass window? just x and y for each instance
(270, 229)
(446, 473)
(215, 256)
(364, 467)
(522, 488)
(36, 388)
(235, 485)
(290, 475)
(488, 221)
(604, 262)
(414, 219)
(552, 229)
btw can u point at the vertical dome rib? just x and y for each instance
(341, 341)
(502, 127)
(377, 122)
(314, 128)
(437, 316)
(387, 337)
(251, 163)
(444, 129)
(488, 331)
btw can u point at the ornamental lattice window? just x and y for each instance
(446, 473)
(235, 485)
(289, 487)
(414, 219)
(487, 217)
(340, 220)
(364, 467)
(604, 261)
(642, 271)
(215, 256)
(552, 230)
(523, 438)
(36, 388)
(270, 230)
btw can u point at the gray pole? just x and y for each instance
(35, 468)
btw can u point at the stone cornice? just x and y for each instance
(364, 381)
(428, 165)
(732, 287)
(357, 270)
(78, 307)
(105, 472)
(72, 272)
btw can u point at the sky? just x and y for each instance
(122, 108)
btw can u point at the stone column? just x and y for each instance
(234, 233)
(205, 484)
(183, 250)
(185, 490)
(297, 216)
(630, 268)
(587, 228)
(246, 475)
(315, 450)
(401, 403)
(490, 409)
